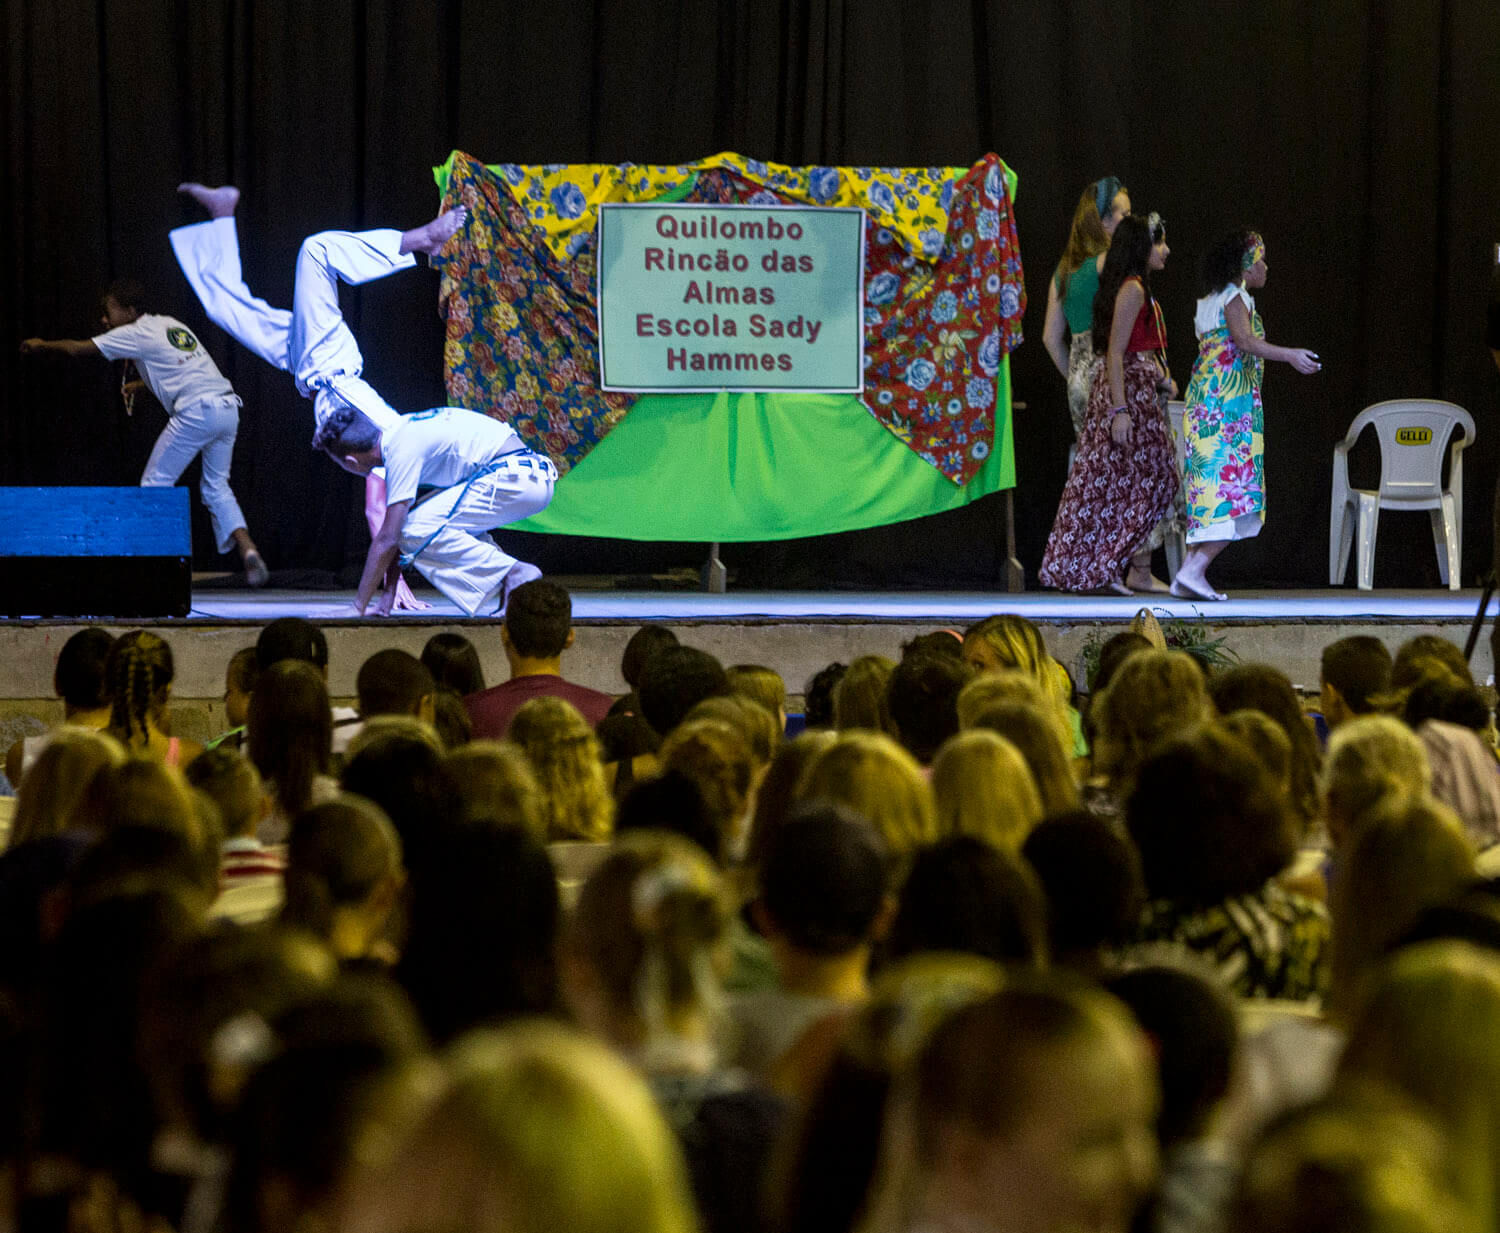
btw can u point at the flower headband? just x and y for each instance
(1156, 226)
(1105, 191)
(1255, 250)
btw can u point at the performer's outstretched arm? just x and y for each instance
(73, 348)
(382, 567)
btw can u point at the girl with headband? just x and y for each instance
(1070, 293)
(1124, 479)
(1223, 422)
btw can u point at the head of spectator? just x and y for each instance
(139, 858)
(872, 775)
(860, 699)
(1427, 1031)
(1353, 672)
(538, 628)
(922, 696)
(1011, 1096)
(966, 896)
(138, 792)
(404, 772)
(717, 758)
(1464, 778)
(817, 695)
(758, 727)
(139, 674)
(1038, 741)
(495, 782)
(50, 794)
(564, 756)
(394, 682)
(1153, 695)
(674, 681)
(239, 684)
(834, 1147)
(1091, 875)
(292, 638)
(643, 646)
(947, 642)
(1409, 857)
(1416, 657)
(80, 678)
(1115, 650)
(823, 902)
(1266, 739)
(645, 947)
(1008, 641)
(983, 788)
(777, 793)
(1368, 759)
(450, 717)
(454, 663)
(762, 685)
(671, 801)
(344, 875)
(1207, 820)
(1444, 697)
(533, 1122)
(1260, 687)
(484, 917)
(231, 781)
(1194, 1032)
(1359, 1158)
(291, 734)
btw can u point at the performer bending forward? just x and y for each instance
(1124, 477)
(451, 474)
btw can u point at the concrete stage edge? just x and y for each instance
(796, 633)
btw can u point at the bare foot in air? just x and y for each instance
(219, 202)
(430, 237)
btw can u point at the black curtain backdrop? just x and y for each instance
(1360, 139)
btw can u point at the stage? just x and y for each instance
(797, 633)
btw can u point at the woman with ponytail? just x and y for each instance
(643, 960)
(344, 876)
(1070, 294)
(139, 675)
(290, 742)
(1124, 478)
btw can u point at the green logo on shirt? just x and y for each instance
(182, 339)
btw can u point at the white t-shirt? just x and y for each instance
(1210, 314)
(437, 448)
(170, 358)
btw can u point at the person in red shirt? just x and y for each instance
(537, 629)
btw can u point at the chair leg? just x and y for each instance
(1175, 548)
(1340, 541)
(1368, 519)
(1445, 539)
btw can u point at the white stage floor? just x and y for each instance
(942, 607)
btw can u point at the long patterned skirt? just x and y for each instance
(1115, 494)
(1224, 426)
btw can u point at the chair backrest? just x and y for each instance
(1413, 434)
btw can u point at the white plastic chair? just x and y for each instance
(1413, 433)
(1176, 543)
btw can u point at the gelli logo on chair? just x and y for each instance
(1413, 436)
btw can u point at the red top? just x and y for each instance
(1149, 333)
(491, 709)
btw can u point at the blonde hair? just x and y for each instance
(649, 922)
(1015, 643)
(1155, 694)
(534, 1128)
(871, 774)
(51, 791)
(759, 684)
(1011, 685)
(496, 783)
(1369, 759)
(983, 788)
(1033, 733)
(564, 755)
(859, 699)
(759, 727)
(1429, 1030)
(716, 757)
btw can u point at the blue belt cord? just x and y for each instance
(489, 468)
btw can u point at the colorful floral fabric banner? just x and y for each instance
(943, 304)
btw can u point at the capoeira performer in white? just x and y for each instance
(452, 475)
(202, 408)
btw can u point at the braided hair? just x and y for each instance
(139, 671)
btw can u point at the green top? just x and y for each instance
(1078, 304)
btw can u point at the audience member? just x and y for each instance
(1369, 758)
(1040, 745)
(674, 681)
(872, 775)
(537, 629)
(80, 679)
(57, 782)
(922, 696)
(1091, 875)
(495, 783)
(563, 753)
(860, 699)
(1260, 687)
(762, 685)
(1465, 777)
(983, 787)
(290, 739)
(1414, 659)
(250, 872)
(239, 684)
(718, 760)
(758, 727)
(454, 663)
(1354, 671)
(817, 696)
(138, 676)
(450, 717)
(393, 682)
(404, 772)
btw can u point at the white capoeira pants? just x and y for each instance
(204, 426)
(313, 342)
(451, 529)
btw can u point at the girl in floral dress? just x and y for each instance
(1124, 476)
(1223, 423)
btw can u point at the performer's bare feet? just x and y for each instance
(219, 202)
(430, 237)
